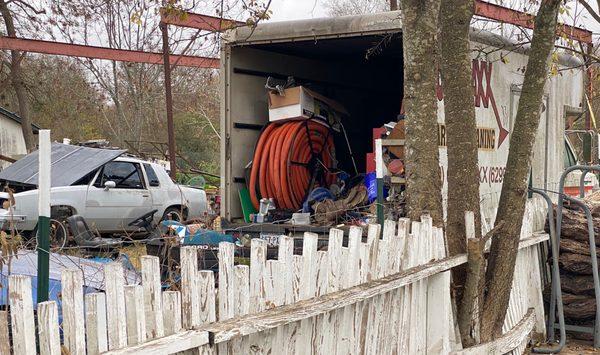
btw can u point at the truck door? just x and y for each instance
(112, 208)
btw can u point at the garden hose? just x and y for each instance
(290, 159)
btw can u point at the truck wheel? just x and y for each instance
(174, 214)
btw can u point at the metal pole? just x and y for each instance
(559, 208)
(379, 179)
(169, 101)
(591, 234)
(556, 287)
(43, 230)
(582, 184)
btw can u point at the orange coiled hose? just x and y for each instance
(287, 156)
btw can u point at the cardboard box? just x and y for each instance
(302, 103)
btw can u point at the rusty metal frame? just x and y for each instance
(522, 19)
(188, 19)
(94, 52)
(197, 21)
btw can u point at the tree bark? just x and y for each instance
(17, 79)
(393, 5)
(463, 171)
(511, 207)
(423, 191)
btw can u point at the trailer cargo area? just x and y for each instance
(358, 62)
(362, 71)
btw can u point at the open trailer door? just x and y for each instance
(326, 54)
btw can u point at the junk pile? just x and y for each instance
(295, 174)
(576, 266)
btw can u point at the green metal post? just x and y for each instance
(43, 230)
(43, 242)
(379, 180)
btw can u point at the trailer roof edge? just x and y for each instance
(356, 25)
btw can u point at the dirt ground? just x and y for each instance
(579, 347)
(575, 347)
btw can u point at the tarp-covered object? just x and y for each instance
(25, 263)
(69, 164)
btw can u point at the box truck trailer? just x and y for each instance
(358, 61)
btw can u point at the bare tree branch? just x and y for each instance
(590, 10)
(25, 5)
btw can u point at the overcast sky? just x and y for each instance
(296, 9)
(302, 9)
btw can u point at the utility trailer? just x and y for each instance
(358, 61)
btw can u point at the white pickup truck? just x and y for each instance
(108, 197)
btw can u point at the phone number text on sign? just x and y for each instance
(491, 174)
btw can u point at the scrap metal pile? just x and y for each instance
(295, 173)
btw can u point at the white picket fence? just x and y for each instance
(383, 296)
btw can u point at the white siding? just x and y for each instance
(565, 89)
(11, 139)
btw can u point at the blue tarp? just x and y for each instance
(26, 264)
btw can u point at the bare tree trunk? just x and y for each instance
(17, 80)
(503, 253)
(463, 171)
(393, 5)
(420, 26)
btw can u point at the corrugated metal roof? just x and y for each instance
(69, 164)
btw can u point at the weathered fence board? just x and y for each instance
(115, 305)
(190, 297)
(226, 281)
(95, 319)
(241, 301)
(49, 335)
(135, 313)
(4, 339)
(206, 286)
(308, 289)
(21, 306)
(152, 296)
(72, 311)
(507, 342)
(171, 305)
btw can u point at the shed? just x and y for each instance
(12, 142)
